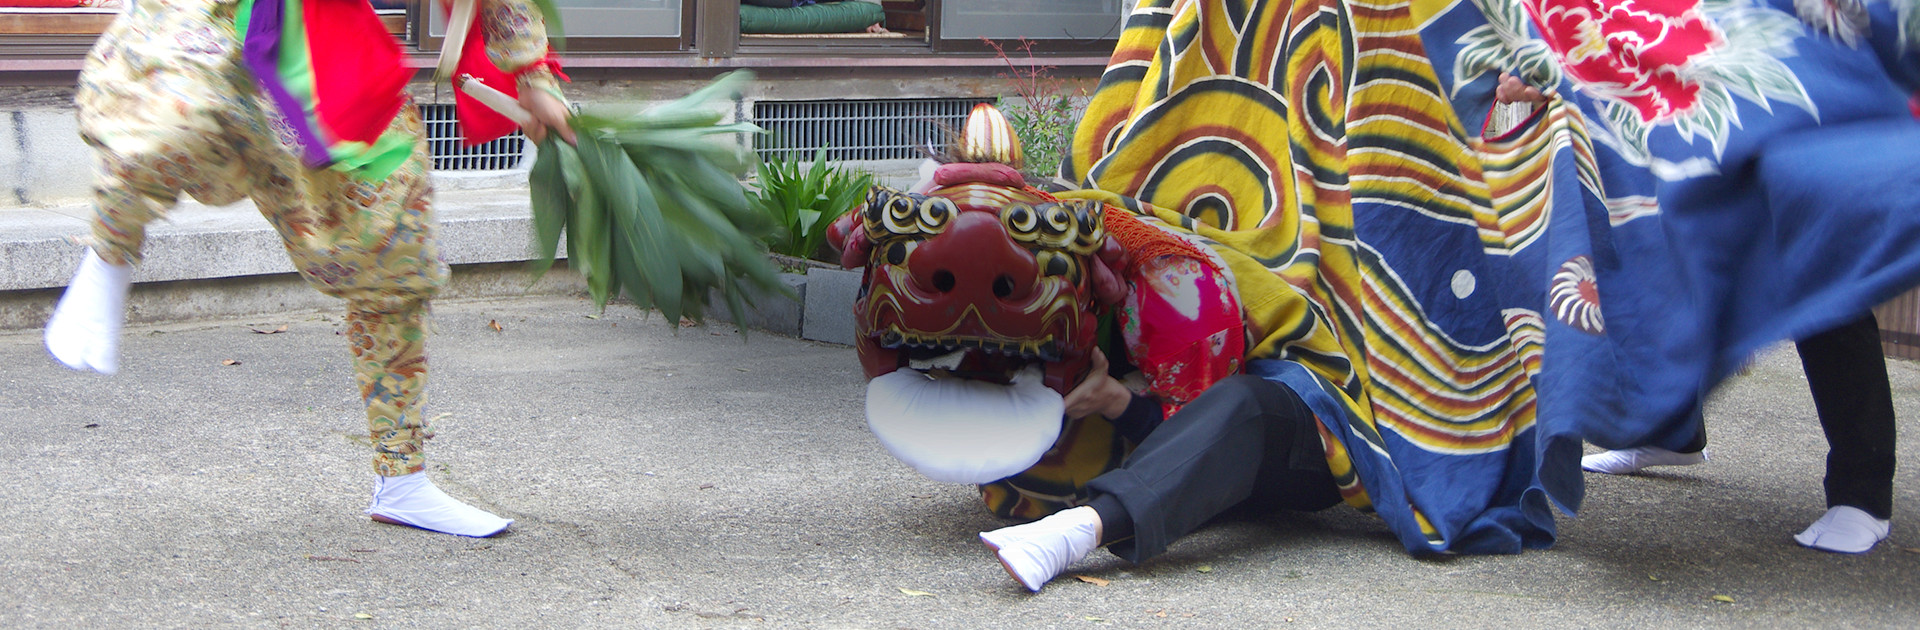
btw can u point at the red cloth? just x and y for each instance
(359, 78)
(1181, 321)
(479, 123)
(1183, 327)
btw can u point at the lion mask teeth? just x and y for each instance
(948, 361)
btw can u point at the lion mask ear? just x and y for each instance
(849, 239)
(1107, 285)
(847, 235)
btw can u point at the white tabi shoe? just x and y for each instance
(1845, 529)
(84, 332)
(414, 501)
(1039, 551)
(1632, 460)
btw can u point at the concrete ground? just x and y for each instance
(685, 478)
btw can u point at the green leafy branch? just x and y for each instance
(651, 204)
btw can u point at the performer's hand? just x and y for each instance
(1099, 393)
(548, 113)
(1513, 90)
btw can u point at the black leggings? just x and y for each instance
(1848, 377)
(1246, 442)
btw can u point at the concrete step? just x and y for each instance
(205, 261)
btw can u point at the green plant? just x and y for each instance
(1041, 110)
(803, 200)
(651, 203)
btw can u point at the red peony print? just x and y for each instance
(1630, 50)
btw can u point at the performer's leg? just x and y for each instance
(1627, 461)
(1848, 377)
(373, 244)
(84, 331)
(1245, 440)
(390, 366)
(155, 134)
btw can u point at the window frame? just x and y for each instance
(425, 41)
(938, 40)
(721, 37)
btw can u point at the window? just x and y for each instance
(780, 27)
(1013, 19)
(1078, 26)
(604, 25)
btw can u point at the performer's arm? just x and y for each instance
(517, 43)
(1143, 414)
(1133, 415)
(1513, 90)
(1514, 103)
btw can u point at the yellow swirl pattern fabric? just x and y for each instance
(1311, 144)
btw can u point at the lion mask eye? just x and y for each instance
(891, 214)
(1072, 226)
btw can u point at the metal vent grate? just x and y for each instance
(443, 138)
(890, 129)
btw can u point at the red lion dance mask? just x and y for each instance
(977, 310)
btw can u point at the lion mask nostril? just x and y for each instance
(1002, 286)
(943, 281)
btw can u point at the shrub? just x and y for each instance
(804, 199)
(1041, 110)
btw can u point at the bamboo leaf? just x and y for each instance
(727, 86)
(654, 248)
(589, 241)
(552, 203)
(628, 275)
(653, 205)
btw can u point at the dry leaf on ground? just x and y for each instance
(281, 329)
(230, 362)
(1205, 568)
(913, 593)
(1725, 599)
(495, 325)
(1092, 580)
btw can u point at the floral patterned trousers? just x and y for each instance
(169, 109)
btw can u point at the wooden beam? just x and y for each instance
(52, 23)
(14, 22)
(717, 28)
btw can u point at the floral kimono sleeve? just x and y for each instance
(517, 42)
